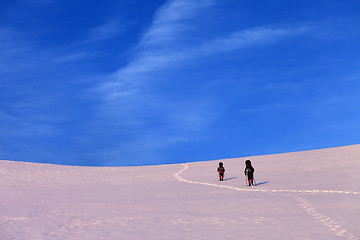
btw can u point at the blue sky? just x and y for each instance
(114, 83)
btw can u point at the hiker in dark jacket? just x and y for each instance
(249, 172)
(221, 171)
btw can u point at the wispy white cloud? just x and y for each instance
(153, 60)
(251, 37)
(130, 103)
(105, 31)
(156, 55)
(168, 25)
(172, 19)
(86, 48)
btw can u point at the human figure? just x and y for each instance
(221, 171)
(249, 172)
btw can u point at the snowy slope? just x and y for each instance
(302, 195)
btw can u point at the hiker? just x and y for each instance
(249, 172)
(221, 171)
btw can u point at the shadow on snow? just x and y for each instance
(231, 178)
(261, 183)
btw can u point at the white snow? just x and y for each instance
(302, 195)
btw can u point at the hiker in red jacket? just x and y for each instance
(221, 171)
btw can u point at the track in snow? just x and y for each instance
(302, 202)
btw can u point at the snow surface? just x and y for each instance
(302, 195)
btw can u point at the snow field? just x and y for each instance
(303, 195)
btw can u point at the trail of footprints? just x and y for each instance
(302, 202)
